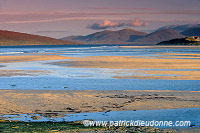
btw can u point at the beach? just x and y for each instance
(79, 101)
(62, 81)
(161, 65)
(99, 66)
(169, 66)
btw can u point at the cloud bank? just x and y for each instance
(106, 24)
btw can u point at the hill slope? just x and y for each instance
(159, 36)
(191, 32)
(125, 36)
(16, 38)
(182, 41)
(180, 28)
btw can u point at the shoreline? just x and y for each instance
(81, 101)
(163, 46)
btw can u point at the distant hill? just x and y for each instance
(182, 41)
(191, 32)
(159, 36)
(16, 38)
(180, 28)
(125, 36)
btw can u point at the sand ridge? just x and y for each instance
(23, 58)
(76, 101)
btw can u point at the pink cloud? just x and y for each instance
(105, 25)
(108, 24)
(138, 23)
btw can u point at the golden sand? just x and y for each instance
(76, 101)
(131, 62)
(167, 61)
(23, 58)
(136, 62)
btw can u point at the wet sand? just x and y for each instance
(167, 75)
(167, 62)
(76, 101)
(67, 101)
(138, 62)
(10, 73)
(131, 62)
(23, 58)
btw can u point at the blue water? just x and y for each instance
(90, 50)
(60, 77)
(47, 83)
(69, 78)
(187, 114)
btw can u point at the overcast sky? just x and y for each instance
(59, 18)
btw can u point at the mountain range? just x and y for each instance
(16, 38)
(159, 36)
(180, 28)
(126, 36)
(130, 36)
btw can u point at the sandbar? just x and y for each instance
(24, 58)
(172, 68)
(9, 73)
(188, 67)
(77, 101)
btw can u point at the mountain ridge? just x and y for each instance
(11, 38)
(126, 36)
(159, 36)
(180, 27)
(108, 37)
(191, 32)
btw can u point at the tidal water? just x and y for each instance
(71, 78)
(75, 78)
(187, 114)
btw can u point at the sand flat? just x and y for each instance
(167, 74)
(186, 66)
(76, 101)
(9, 73)
(131, 62)
(126, 62)
(23, 58)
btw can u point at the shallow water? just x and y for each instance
(57, 83)
(61, 77)
(91, 50)
(70, 78)
(191, 114)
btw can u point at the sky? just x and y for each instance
(61, 18)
